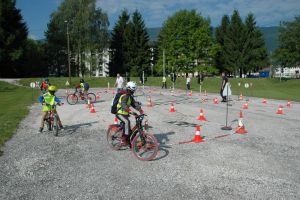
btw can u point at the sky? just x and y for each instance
(36, 13)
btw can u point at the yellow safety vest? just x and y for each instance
(49, 99)
(119, 106)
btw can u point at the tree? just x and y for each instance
(116, 64)
(221, 32)
(255, 52)
(136, 46)
(288, 53)
(233, 49)
(242, 45)
(88, 33)
(13, 38)
(186, 38)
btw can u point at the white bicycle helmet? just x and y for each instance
(131, 86)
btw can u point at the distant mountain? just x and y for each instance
(270, 35)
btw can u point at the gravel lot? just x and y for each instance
(78, 164)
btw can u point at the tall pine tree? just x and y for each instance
(116, 64)
(221, 32)
(13, 36)
(136, 45)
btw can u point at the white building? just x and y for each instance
(102, 61)
(293, 72)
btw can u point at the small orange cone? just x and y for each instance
(201, 116)
(279, 111)
(245, 105)
(172, 109)
(216, 100)
(88, 104)
(116, 121)
(241, 127)
(113, 92)
(149, 104)
(264, 100)
(197, 137)
(288, 104)
(92, 109)
(98, 96)
(241, 97)
(191, 93)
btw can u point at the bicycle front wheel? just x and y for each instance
(113, 136)
(72, 99)
(91, 97)
(144, 147)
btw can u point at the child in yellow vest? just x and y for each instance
(48, 100)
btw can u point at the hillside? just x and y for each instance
(270, 35)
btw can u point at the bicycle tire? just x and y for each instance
(92, 97)
(113, 136)
(55, 126)
(48, 123)
(72, 99)
(140, 149)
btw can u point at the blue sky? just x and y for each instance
(36, 13)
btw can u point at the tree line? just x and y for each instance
(186, 43)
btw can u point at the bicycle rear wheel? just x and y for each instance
(113, 136)
(55, 126)
(91, 97)
(72, 99)
(144, 147)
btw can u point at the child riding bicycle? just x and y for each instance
(44, 85)
(48, 101)
(82, 87)
(125, 101)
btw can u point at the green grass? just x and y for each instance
(14, 103)
(261, 87)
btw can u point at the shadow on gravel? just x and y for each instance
(68, 130)
(162, 153)
(182, 123)
(162, 139)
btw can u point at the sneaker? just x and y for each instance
(61, 127)
(40, 130)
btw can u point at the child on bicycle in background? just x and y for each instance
(125, 101)
(82, 87)
(44, 85)
(48, 100)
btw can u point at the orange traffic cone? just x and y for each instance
(98, 96)
(241, 127)
(197, 137)
(288, 104)
(264, 100)
(191, 93)
(88, 104)
(279, 111)
(245, 105)
(116, 121)
(216, 100)
(149, 104)
(113, 91)
(241, 97)
(201, 116)
(172, 109)
(92, 109)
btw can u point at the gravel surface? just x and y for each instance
(78, 164)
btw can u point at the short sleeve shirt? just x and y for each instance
(119, 82)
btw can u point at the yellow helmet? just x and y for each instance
(52, 88)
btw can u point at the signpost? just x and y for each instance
(32, 85)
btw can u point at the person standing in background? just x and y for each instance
(188, 82)
(164, 83)
(224, 81)
(119, 83)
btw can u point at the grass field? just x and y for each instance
(261, 87)
(14, 101)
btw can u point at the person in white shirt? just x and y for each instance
(119, 83)
(188, 83)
